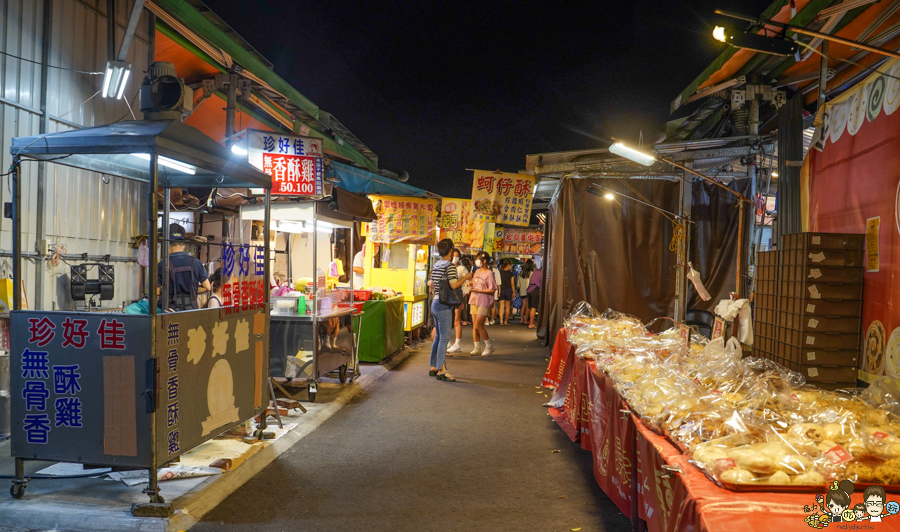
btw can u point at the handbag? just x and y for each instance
(517, 302)
(452, 297)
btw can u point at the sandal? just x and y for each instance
(446, 377)
(432, 372)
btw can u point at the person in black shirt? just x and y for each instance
(507, 291)
(187, 276)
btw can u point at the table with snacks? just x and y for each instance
(692, 437)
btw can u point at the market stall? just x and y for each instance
(688, 450)
(137, 391)
(311, 334)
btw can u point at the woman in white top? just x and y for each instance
(524, 279)
(461, 273)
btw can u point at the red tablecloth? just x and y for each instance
(687, 501)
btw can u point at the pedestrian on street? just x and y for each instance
(523, 280)
(465, 315)
(496, 307)
(444, 271)
(481, 301)
(534, 294)
(461, 272)
(507, 290)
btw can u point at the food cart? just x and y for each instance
(404, 269)
(312, 338)
(137, 391)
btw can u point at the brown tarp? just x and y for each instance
(714, 238)
(615, 254)
(610, 253)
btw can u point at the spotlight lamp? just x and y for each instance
(632, 154)
(609, 196)
(779, 45)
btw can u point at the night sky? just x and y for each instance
(434, 88)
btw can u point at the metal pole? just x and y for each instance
(164, 249)
(680, 289)
(811, 33)
(152, 213)
(267, 226)
(740, 243)
(40, 231)
(111, 30)
(823, 75)
(230, 108)
(17, 282)
(17, 234)
(151, 38)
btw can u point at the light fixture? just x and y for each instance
(774, 174)
(719, 33)
(237, 149)
(286, 226)
(609, 196)
(115, 78)
(632, 155)
(169, 163)
(758, 43)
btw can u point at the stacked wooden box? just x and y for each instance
(809, 311)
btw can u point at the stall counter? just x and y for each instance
(381, 333)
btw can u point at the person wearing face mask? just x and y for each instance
(461, 273)
(481, 301)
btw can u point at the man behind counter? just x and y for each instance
(187, 276)
(359, 265)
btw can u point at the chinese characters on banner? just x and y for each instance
(525, 241)
(404, 219)
(502, 198)
(244, 267)
(295, 163)
(459, 225)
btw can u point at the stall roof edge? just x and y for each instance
(362, 181)
(110, 147)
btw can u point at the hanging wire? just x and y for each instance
(53, 66)
(80, 105)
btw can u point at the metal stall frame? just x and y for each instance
(119, 150)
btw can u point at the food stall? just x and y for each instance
(405, 228)
(310, 332)
(131, 390)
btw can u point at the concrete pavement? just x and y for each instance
(414, 453)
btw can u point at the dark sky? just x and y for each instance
(437, 87)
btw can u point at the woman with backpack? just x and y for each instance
(443, 273)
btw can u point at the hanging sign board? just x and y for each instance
(502, 198)
(404, 219)
(458, 223)
(295, 163)
(525, 241)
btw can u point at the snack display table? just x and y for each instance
(320, 344)
(380, 330)
(649, 478)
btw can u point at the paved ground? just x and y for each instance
(414, 453)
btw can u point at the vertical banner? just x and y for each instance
(502, 198)
(489, 238)
(459, 225)
(404, 219)
(295, 163)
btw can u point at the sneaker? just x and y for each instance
(488, 351)
(455, 348)
(477, 350)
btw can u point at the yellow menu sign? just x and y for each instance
(458, 223)
(404, 219)
(502, 197)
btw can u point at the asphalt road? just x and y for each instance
(415, 453)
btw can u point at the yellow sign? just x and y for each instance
(459, 225)
(502, 198)
(404, 219)
(872, 229)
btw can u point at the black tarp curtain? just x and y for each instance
(616, 253)
(790, 148)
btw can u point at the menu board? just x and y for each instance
(502, 198)
(404, 219)
(526, 241)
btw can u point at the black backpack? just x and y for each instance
(452, 297)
